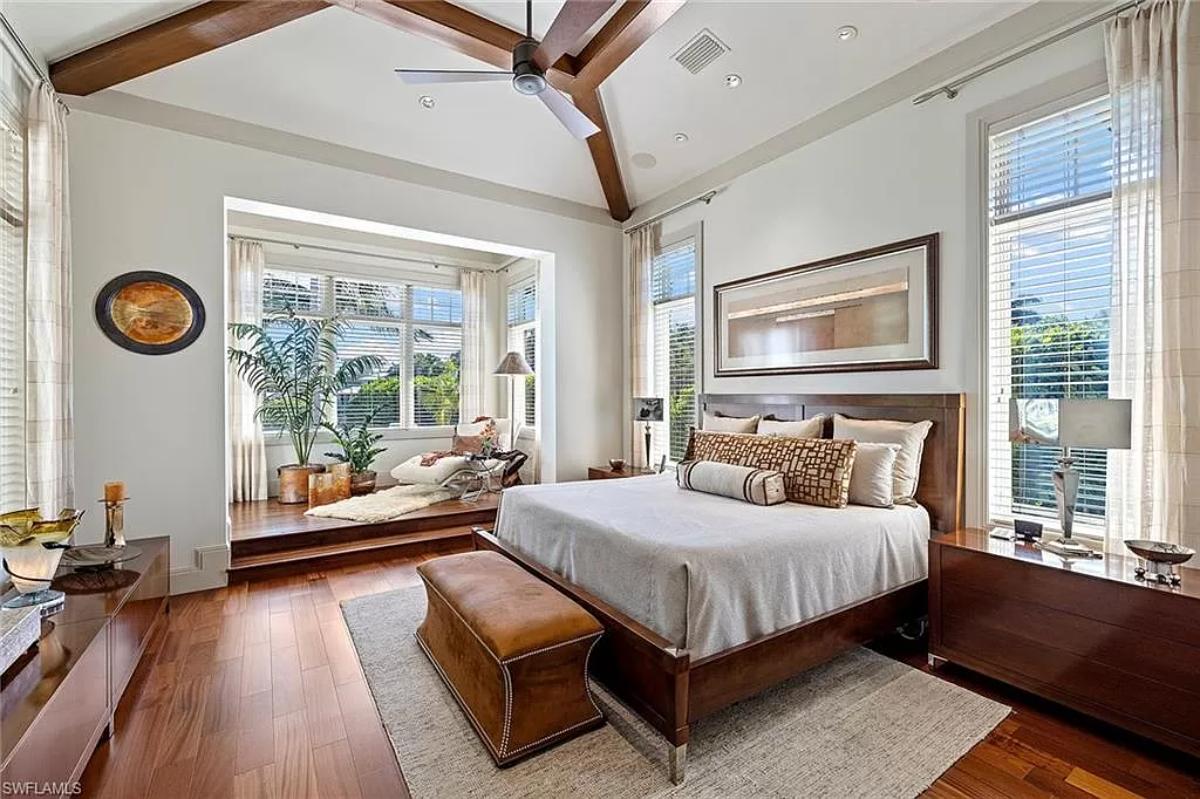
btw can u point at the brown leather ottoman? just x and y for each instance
(513, 651)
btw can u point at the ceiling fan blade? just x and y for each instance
(573, 20)
(421, 77)
(572, 118)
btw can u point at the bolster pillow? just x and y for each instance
(757, 486)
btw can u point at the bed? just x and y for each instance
(708, 600)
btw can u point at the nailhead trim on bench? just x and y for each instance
(508, 692)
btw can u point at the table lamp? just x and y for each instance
(513, 365)
(1067, 423)
(647, 410)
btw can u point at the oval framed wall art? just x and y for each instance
(151, 313)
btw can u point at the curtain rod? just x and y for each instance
(705, 198)
(30, 60)
(950, 90)
(345, 251)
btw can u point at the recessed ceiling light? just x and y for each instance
(681, 138)
(847, 32)
(733, 80)
(427, 101)
(644, 160)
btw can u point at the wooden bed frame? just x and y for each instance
(667, 688)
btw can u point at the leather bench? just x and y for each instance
(513, 651)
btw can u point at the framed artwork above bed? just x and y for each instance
(870, 310)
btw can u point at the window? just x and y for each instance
(522, 337)
(12, 308)
(1050, 267)
(416, 330)
(673, 294)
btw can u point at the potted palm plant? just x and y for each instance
(291, 365)
(358, 450)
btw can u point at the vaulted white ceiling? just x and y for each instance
(329, 76)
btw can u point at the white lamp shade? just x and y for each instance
(513, 363)
(1085, 423)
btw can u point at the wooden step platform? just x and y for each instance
(271, 540)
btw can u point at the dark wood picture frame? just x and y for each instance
(112, 288)
(931, 244)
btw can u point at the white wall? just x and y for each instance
(148, 198)
(904, 171)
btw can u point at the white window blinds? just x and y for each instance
(521, 313)
(12, 309)
(1050, 266)
(416, 330)
(673, 294)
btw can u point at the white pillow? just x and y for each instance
(503, 432)
(411, 472)
(909, 435)
(804, 428)
(730, 424)
(872, 477)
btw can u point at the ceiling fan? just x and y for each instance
(531, 59)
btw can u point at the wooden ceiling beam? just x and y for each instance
(627, 30)
(459, 29)
(604, 154)
(177, 38)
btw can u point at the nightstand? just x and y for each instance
(609, 473)
(1084, 633)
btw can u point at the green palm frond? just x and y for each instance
(290, 363)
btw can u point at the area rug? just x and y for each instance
(382, 506)
(863, 725)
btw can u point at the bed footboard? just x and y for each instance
(671, 692)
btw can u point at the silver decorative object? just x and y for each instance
(1159, 561)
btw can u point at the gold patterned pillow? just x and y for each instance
(816, 471)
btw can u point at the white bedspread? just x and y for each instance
(708, 572)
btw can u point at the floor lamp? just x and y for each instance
(513, 366)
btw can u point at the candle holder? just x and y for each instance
(114, 550)
(114, 522)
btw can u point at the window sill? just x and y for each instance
(388, 433)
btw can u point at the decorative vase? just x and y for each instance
(31, 548)
(341, 479)
(322, 489)
(293, 482)
(362, 483)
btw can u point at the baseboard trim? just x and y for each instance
(208, 570)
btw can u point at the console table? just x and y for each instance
(1084, 633)
(57, 705)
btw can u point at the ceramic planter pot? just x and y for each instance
(362, 483)
(293, 482)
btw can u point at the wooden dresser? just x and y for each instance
(1086, 634)
(56, 705)
(609, 473)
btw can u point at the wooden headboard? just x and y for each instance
(940, 488)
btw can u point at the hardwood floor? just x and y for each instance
(255, 691)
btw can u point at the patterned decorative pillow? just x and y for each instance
(816, 471)
(474, 438)
(756, 486)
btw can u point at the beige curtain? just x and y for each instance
(1153, 56)
(247, 448)
(643, 243)
(473, 372)
(50, 436)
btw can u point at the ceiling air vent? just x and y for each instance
(703, 49)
